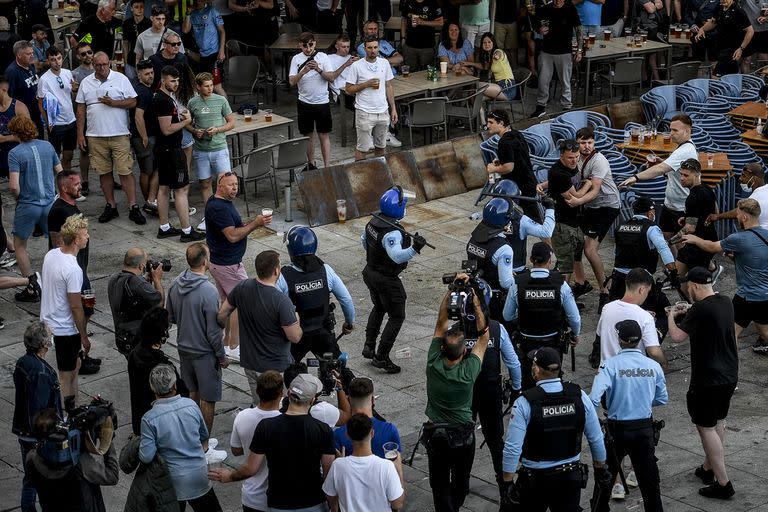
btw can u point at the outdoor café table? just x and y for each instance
(744, 117)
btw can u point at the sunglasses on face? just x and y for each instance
(173, 44)
(86, 52)
(308, 45)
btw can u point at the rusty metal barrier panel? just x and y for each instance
(470, 160)
(405, 172)
(440, 170)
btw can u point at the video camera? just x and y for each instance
(326, 365)
(153, 264)
(461, 291)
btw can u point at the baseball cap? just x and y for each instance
(643, 204)
(698, 275)
(305, 387)
(629, 331)
(545, 357)
(540, 252)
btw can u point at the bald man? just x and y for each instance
(132, 292)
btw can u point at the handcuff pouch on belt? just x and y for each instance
(583, 472)
(525, 344)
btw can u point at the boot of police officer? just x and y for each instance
(388, 249)
(543, 305)
(489, 390)
(545, 435)
(488, 246)
(629, 385)
(309, 283)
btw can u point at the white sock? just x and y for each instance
(187, 230)
(165, 227)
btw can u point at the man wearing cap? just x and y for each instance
(449, 434)
(542, 303)
(545, 435)
(295, 446)
(699, 205)
(752, 181)
(632, 384)
(749, 250)
(714, 373)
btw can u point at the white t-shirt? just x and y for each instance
(103, 120)
(255, 487)
(336, 61)
(313, 88)
(760, 194)
(148, 42)
(325, 412)
(49, 85)
(676, 194)
(372, 101)
(613, 313)
(363, 484)
(61, 275)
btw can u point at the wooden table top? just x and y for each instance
(649, 45)
(73, 11)
(604, 49)
(681, 39)
(404, 87)
(751, 109)
(657, 146)
(258, 123)
(291, 42)
(720, 164)
(447, 81)
(753, 136)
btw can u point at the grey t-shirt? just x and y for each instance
(262, 312)
(598, 167)
(752, 9)
(676, 194)
(80, 72)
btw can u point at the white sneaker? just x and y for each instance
(214, 456)
(171, 197)
(632, 479)
(8, 260)
(617, 493)
(392, 140)
(212, 443)
(201, 226)
(192, 210)
(716, 274)
(233, 354)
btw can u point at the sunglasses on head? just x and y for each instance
(225, 175)
(493, 115)
(569, 145)
(308, 45)
(86, 52)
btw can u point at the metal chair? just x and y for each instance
(678, 74)
(291, 155)
(243, 76)
(467, 108)
(256, 166)
(522, 76)
(427, 113)
(627, 71)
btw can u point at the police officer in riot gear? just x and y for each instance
(630, 383)
(521, 225)
(542, 303)
(308, 282)
(388, 250)
(545, 435)
(487, 395)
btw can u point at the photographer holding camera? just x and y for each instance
(133, 292)
(449, 435)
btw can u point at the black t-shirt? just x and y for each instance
(159, 62)
(513, 148)
(144, 102)
(59, 213)
(131, 31)
(700, 203)
(560, 182)
(164, 106)
(731, 24)
(612, 11)
(562, 22)
(22, 85)
(100, 35)
(714, 358)
(293, 446)
(506, 12)
(427, 10)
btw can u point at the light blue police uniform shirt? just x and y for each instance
(529, 227)
(632, 382)
(393, 244)
(655, 239)
(509, 356)
(566, 299)
(335, 286)
(502, 258)
(521, 417)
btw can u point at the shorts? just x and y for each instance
(111, 153)
(67, 352)
(668, 220)
(187, 140)
(227, 277)
(371, 130)
(208, 163)
(253, 377)
(206, 65)
(63, 137)
(598, 221)
(144, 155)
(202, 374)
(692, 256)
(708, 404)
(27, 215)
(758, 44)
(171, 167)
(747, 311)
(506, 35)
(508, 87)
(314, 116)
(568, 244)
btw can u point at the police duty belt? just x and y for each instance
(399, 228)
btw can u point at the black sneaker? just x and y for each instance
(369, 350)
(28, 294)
(717, 491)
(87, 368)
(150, 209)
(84, 189)
(539, 112)
(168, 233)
(108, 214)
(34, 283)
(580, 289)
(136, 216)
(92, 360)
(707, 476)
(193, 236)
(385, 364)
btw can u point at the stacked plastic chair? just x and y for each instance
(717, 126)
(665, 101)
(488, 149)
(581, 118)
(615, 135)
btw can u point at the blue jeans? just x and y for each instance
(28, 493)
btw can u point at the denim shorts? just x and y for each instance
(186, 139)
(209, 163)
(27, 215)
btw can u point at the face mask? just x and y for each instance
(746, 188)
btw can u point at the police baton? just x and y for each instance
(509, 196)
(611, 447)
(399, 228)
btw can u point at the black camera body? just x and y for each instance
(153, 264)
(326, 365)
(461, 292)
